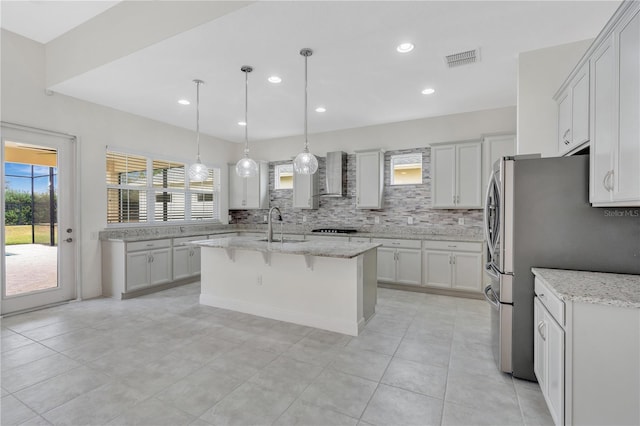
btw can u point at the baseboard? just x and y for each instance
(431, 290)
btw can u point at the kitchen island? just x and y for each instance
(323, 284)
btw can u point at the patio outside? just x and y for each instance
(31, 252)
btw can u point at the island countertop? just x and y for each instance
(621, 290)
(338, 249)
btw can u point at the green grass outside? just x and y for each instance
(21, 234)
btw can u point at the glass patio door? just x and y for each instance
(39, 248)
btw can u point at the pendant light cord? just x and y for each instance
(306, 105)
(198, 83)
(246, 112)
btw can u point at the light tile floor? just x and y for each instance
(163, 359)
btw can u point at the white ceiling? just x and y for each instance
(43, 21)
(355, 70)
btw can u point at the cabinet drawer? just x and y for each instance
(387, 242)
(452, 245)
(554, 305)
(148, 245)
(182, 240)
(359, 240)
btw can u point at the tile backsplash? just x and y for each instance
(400, 203)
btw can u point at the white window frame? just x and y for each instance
(151, 191)
(276, 175)
(401, 157)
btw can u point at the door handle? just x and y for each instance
(69, 240)
(490, 295)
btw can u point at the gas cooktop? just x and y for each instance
(335, 230)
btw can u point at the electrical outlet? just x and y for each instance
(264, 218)
(409, 220)
(304, 218)
(229, 218)
(94, 235)
(376, 220)
(461, 221)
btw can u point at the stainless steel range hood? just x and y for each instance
(336, 174)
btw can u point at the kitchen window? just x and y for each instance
(142, 189)
(283, 176)
(406, 169)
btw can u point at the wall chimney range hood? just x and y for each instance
(336, 174)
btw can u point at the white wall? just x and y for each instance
(540, 74)
(24, 102)
(400, 135)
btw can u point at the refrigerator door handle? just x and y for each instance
(491, 298)
(487, 208)
(491, 270)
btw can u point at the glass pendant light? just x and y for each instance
(305, 163)
(198, 172)
(246, 167)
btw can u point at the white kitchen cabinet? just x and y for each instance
(399, 261)
(495, 147)
(147, 264)
(369, 179)
(249, 193)
(615, 112)
(549, 358)
(586, 356)
(186, 258)
(451, 264)
(573, 112)
(456, 178)
(305, 191)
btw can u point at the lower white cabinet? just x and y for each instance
(451, 264)
(149, 266)
(399, 261)
(549, 353)
(186, 259)
(586, 359)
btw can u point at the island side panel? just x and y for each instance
(369, 260)
(325, 296)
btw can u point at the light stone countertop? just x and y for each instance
(620, 290)
(135, 234)
(339, 249)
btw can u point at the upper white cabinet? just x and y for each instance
(457, 175)
(249, 193)
(305, 191)
(615, 114)
(494, 148)
(573, 112)
(369, 179)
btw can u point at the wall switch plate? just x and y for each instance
(409, 220)
(264, 218)
(376, 220)
(304, 218)
(229, 218)
(461, 221)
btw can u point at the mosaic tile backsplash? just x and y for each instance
(400, 203)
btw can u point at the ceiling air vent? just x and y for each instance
(462, 58)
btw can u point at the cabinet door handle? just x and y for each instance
(564, 137)
(454, 199)
(453, 259)
(604, 180)
(450, 260)
(540, 327)
(610, 181)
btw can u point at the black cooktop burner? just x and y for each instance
(335, 230)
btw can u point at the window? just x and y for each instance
(283, 176)
(406, 169)
(134, 179)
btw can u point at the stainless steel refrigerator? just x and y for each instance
(537, 214)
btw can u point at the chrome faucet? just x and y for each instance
(270, 223)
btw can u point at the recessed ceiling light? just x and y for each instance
(405, 47)
(274, 79)
(241, 123)
(321, 109)
(184, 102)
(428, 91)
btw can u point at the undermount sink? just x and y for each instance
(282, 241)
